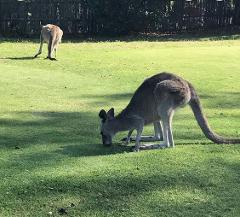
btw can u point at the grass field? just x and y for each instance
(51, 155)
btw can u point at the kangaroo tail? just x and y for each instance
(203, 122)
(41, 38)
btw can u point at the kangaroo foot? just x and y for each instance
(152, 146)
(135, 149)
(51, 58)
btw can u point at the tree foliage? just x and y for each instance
(114, 17)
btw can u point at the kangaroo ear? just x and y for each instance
(110, 113)
(103, 115)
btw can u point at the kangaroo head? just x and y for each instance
(106, 126)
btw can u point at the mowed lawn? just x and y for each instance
(51, 158)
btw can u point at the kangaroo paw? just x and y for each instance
(144, 139)
(135, 149)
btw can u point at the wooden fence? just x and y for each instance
(114, 17)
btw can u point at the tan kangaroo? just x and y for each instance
(52, 35)
(156, 100)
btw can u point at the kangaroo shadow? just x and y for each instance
(18, 58)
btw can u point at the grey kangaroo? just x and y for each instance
(155, 101)
(52, 35)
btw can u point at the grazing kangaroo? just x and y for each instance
(156, 100)
(52, 35)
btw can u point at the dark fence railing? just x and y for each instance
(115, 17)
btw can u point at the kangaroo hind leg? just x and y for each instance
(50, 48)
(170, 95)
(158, 131)
(167, 116)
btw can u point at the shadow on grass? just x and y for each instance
(83, 127)
(217, 100)
(77, 132)
(164, 37)
(214, 35)
(111, 97)
(186, 190)
(49, 127)
(102, 100)
(18, 58)
(107, 189)
(222, 100)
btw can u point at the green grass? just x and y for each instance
(50, 150)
